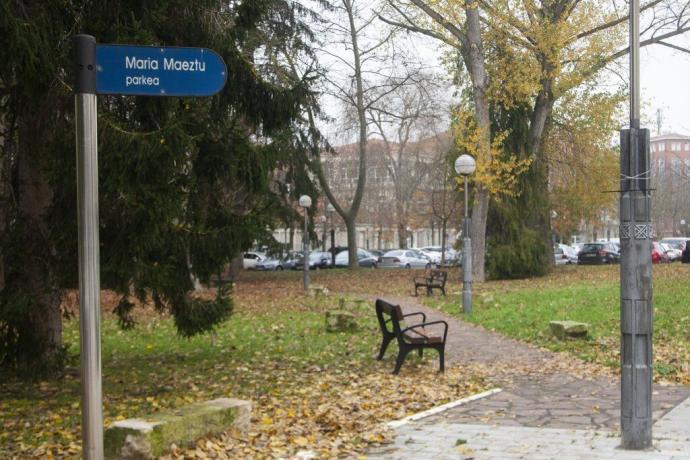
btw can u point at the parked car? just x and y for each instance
(376, 252)
(364, 259)
(290, 261)
(403, 258)
(433, 256)
(250, 259)
(450, 256)
(317, 259)
(673, 252)
(564, 255)
(269, 265)
(598, 253)
(659, 255)
(577, 247)
(686, 255)
(678, 241)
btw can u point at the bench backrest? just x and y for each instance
(439, 275)
(389, 314)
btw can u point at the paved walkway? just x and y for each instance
(548, 401)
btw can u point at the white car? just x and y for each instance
(564, 255)
(677, 242)
(673, 252)
(403, 258)
(251, 259)
(433, 256)
(434, 253)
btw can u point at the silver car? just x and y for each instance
(403, 258)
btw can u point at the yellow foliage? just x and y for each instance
(496, 172)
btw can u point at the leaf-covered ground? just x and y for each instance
(317, 391)
(310, 390)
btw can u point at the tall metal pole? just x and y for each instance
(636, 265)
(89, 265)
(332, 244)
(466, 260)
(634, 31)
(306, 253)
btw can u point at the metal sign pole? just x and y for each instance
(466, 260)
(636, 265)
(89, 266)
(306, 253)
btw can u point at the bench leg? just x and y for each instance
(402, 353)
(441, 358)
(384, 344)
(420, 351)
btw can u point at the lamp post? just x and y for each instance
(305, 202)
(465, 165)
(330, 209)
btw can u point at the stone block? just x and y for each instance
(486, 298)
(568, 329)
(317, 291)
(148, 438)
(340, 321)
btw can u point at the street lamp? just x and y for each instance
(305, 202)
(465, 165)
(330, 209)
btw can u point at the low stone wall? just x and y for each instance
(148, 438)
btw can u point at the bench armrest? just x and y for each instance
(409, 314)
(414, 326)
(417, 313)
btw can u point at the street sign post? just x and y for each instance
(123, 70)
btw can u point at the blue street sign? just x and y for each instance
(158, 71)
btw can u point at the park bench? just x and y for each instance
(410, 337)
(433, 279)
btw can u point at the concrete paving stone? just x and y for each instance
(560, 404)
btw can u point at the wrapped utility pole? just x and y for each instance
(636, 265)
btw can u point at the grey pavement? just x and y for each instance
(551, 406)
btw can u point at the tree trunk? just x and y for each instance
(443, 240)
(480, 211)
(42, 332)
(474, 61)
(350, 223)
(541, 220)
(402, 235)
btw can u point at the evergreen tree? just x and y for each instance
(184, 182)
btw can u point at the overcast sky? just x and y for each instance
(665, 85)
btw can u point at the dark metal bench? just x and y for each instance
(413, 337)
(435, 279)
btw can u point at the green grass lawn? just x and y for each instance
(522, 310)
(303, 382)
